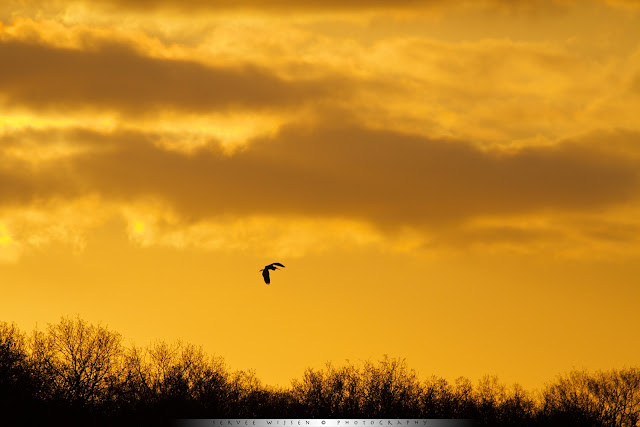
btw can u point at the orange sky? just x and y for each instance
(455, 185)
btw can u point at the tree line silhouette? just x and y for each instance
(77, 370)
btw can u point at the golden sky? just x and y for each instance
(458, 185)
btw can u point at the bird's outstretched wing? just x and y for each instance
(278, 264)
(265, 275)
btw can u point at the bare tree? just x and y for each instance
(83, 362)
(391, 388)
(437, 398)
(618, 392)
(19, 386)
(73, 366)
(609, 398)
(173, 377)
(385, 389)
(13, 352)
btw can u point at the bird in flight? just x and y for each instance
(265, 271)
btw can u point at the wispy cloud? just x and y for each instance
(388, 123)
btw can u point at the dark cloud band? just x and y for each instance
(115, 77)
(384, 177)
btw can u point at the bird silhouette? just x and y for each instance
(265, 271)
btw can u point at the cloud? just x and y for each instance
(346, 171)
(115, 77)
(43, 222)
(198, 6)
(311, 5)
(488, 87)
